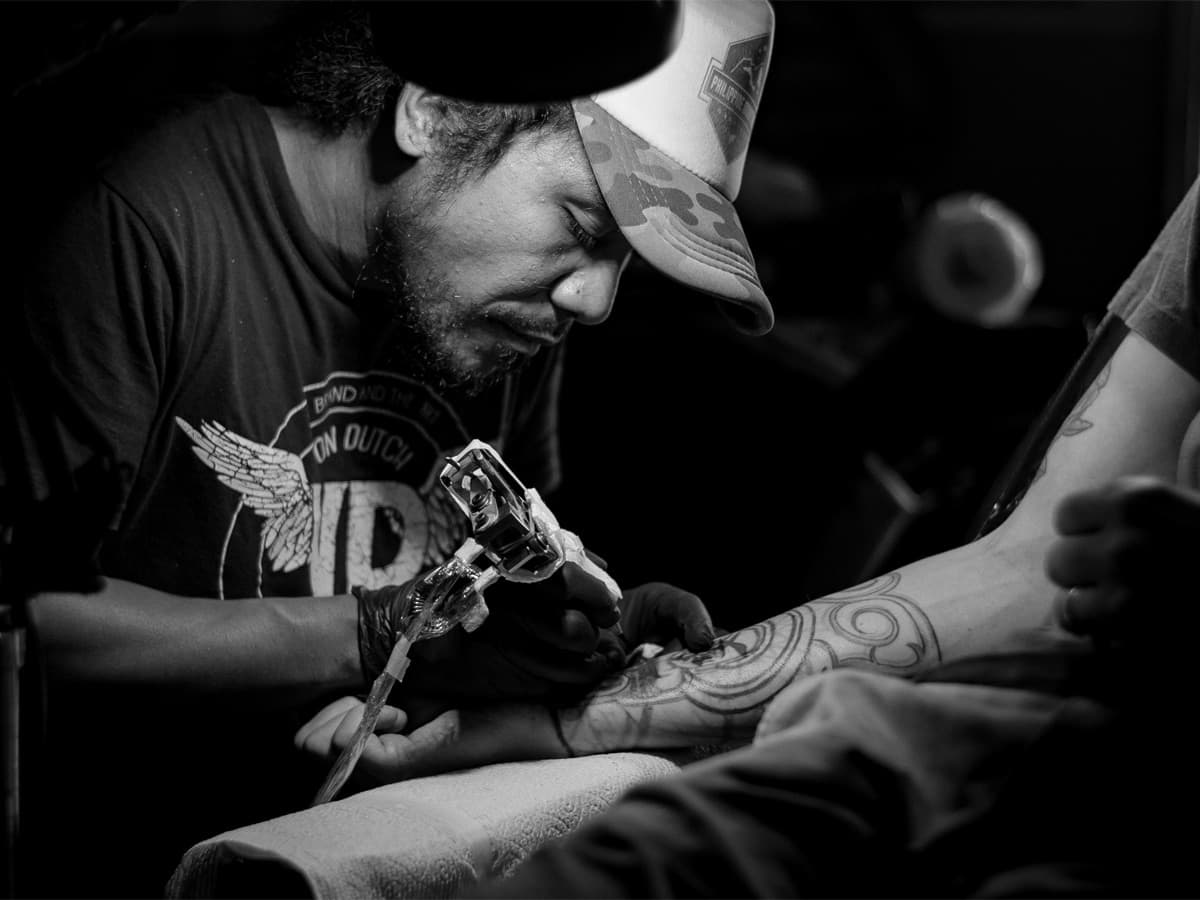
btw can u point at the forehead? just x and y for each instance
(559, 153)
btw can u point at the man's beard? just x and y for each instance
(421, 309)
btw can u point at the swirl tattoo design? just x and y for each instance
(870, 626)
(718, 695)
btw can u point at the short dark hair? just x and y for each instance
(322, 65)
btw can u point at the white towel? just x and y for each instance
(427, 837)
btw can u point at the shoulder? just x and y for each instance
(1161, 298)
(188, 160)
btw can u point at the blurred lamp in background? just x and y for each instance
(975, 260)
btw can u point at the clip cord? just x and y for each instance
(445, 584)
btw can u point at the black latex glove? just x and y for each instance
(660, 613)
(540, 642)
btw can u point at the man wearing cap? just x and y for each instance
(278, 315)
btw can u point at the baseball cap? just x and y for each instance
(668, 150)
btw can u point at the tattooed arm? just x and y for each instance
(670, 701)
(980, 597)
(971, 599)
(717, 696)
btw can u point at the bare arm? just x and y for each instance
(127, 634)
(972, 599)
(683, 698)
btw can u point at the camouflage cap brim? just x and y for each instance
(676, 221)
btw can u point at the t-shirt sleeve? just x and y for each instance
(87, 348)
(1160, 300)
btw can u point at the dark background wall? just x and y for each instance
(866, 430)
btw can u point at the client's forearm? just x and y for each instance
(683, 698)
(966, 600)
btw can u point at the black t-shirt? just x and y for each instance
(184, 316)
(1160, 300)
(203, 331)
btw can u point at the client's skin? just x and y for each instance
(1141, 417)
(717, 696)
(675, 699)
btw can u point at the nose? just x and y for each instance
(589, 290)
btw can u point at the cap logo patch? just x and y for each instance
(731, 88)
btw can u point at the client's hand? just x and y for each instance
(1125, 558)
(456, 739)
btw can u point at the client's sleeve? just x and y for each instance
(850, 772)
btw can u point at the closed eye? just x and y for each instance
(585, 240)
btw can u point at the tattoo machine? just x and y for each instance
(514, 536)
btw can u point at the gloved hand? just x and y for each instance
(541, 642)
(660, 613)
(1125, 560)
(548, 641)
(408, 746)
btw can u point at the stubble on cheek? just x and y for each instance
(433, 332)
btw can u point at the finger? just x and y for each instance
(1077, 561)
(562, 630)
(573, 632)
(596, 558)
(1086, 511)
(612, 648)
(384, 758)
(697, 624)
(1090, 611)
(570, 587)
(329, 715)
(552, 670)
(1135, 499)
(661, 612)
(390, 719)
(589, 595)
(1160, 506)
(341, 733)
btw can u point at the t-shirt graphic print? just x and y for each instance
(345, 493)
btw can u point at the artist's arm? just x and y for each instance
(539, 640)
(128, 634)
(974, 598)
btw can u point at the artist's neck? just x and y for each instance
(329, 176)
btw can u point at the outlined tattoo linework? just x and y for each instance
(1075, 422)
(723, 690)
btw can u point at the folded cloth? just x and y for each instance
(426, 837)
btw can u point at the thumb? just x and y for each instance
(612, 648)
(698, 633)
(676, 613)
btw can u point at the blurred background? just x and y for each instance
(870, 427)
(941, 197)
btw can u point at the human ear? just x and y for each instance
(416, 114)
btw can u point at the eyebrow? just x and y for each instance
(593, 201)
